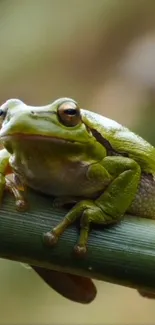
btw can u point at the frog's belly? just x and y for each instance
(67, 179)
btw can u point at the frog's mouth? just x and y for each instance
(35, 137)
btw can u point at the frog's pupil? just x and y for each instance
(1, 112)
(70, 111)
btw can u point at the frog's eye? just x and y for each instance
(69, 114)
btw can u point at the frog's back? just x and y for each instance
(122, 140)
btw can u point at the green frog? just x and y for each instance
(79, 157)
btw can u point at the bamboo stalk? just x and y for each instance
(122, 254)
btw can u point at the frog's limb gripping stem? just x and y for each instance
(6, 183)
(50, 238)
(109, 207)
(21, 204)
(89, 212)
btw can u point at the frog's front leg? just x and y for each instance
(5, 183)
(124, 174)
(4, 170)
(20, 202)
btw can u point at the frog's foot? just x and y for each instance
(50, 239)
(59, 202)
(20, 202)
(89, 212)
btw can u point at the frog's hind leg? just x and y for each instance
(88, 211)
(109, 207)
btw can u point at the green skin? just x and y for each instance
(98, 164)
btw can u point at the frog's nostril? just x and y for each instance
(33, 113)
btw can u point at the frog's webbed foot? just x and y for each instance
(59, 202)
(12, 187)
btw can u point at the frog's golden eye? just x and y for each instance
(69, 114)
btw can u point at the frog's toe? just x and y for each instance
(50, 238)
(80, 250)
(21, 205)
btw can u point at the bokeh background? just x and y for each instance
(101, 53)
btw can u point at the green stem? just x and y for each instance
(123, 254)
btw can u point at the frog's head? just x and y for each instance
(61, 120)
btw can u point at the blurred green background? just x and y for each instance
(102, 53)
